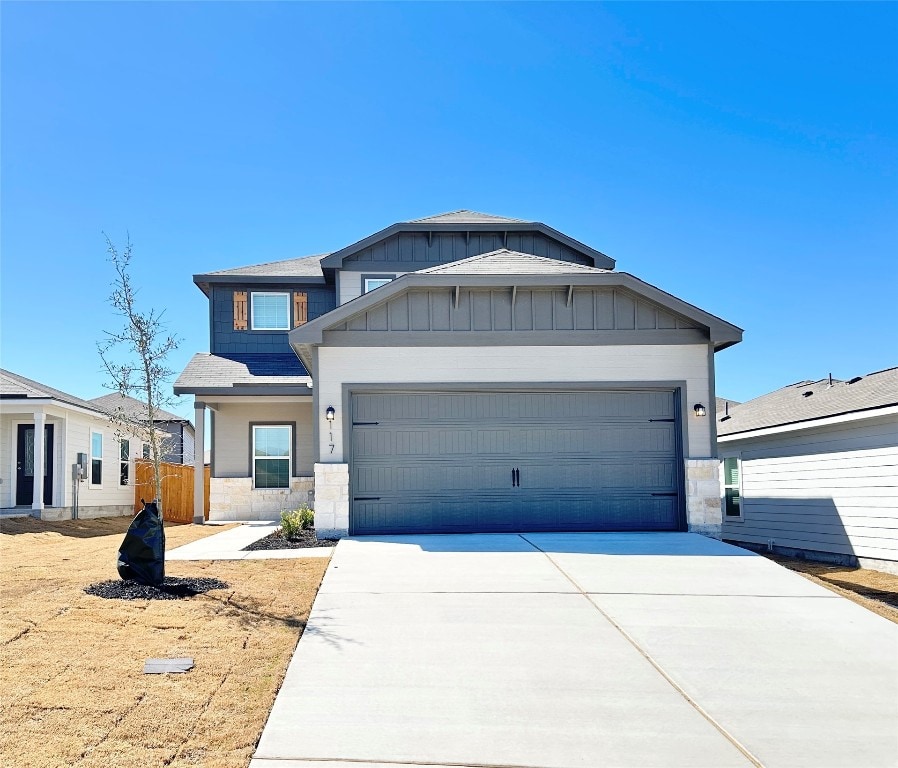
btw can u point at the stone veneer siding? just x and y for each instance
(234, 498)
(332, 500)
(84, 513)
(703, 506)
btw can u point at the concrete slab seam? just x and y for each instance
(645, 654)
(340, 761)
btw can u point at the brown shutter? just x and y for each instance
(239, 310)
(300, 309)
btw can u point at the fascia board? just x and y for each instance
(335, 260)
(797, 426)
(312, 333)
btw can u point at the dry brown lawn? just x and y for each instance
(72, 691)
(875, 590)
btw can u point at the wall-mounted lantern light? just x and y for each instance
(699, 409)
(330, 413)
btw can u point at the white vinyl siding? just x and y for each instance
(832, 489)
(509, 365)
(351, 286)
(270, 311)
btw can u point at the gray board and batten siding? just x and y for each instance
(412, 251)
(483, 461)
(566, 308)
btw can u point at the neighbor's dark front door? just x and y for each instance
(25, 465)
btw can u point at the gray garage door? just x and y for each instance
(514, 461)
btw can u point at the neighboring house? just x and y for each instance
(76, 432)
(177, 446)
(462, 372)
(812, 469)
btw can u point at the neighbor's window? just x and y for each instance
(271, 456)
(96, 458)
(732, 471)
(145, 452)
(270, 311)
(370, 283)
(124, 461)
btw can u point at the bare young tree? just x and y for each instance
(135, 359)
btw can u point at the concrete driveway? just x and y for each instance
(587, 650)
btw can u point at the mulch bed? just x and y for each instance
(277, 540)
(172, 588)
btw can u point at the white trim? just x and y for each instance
(889, 410)
(740, 518)
(129, 462)
(381, 279)
(289, 457)
(252, 310)
(91, 458)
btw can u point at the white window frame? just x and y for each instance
(289, 457)
(121, 462)
(252, 310)
(723, 485)
(381, 280)
(92, 459)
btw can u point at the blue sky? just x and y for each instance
(743, 157)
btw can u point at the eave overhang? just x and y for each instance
(205, 282)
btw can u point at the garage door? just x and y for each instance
(514, 461)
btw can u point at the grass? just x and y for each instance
(73, 691)
(875, 590)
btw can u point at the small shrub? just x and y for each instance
(296, 520)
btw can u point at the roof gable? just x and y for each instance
(115, 402)
(14, 386)
(505, 232)
(507, 262)
(574, 306)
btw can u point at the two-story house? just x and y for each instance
(458, 373)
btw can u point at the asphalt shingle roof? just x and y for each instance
(807, 400)
(466, 217)
(208, 370)
(12, 385)
(114, 401)
(305, 266)
(506, 262)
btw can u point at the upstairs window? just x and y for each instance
(375, 281)
(271, 456)
(732, 488)
(270, 311)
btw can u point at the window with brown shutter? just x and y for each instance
(300, 309)
(239, 310)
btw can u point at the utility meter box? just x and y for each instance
(81, 464)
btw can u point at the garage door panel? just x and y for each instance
(442, 462)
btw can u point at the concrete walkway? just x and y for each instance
(581, 650)
(228, 545)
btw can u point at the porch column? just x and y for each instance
(199, 470)
(40, 421)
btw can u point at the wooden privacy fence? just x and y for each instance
(177, 489)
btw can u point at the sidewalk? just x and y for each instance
(228, 545)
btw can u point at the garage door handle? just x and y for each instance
(366, 498)
(515, 478)
(365, 423)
